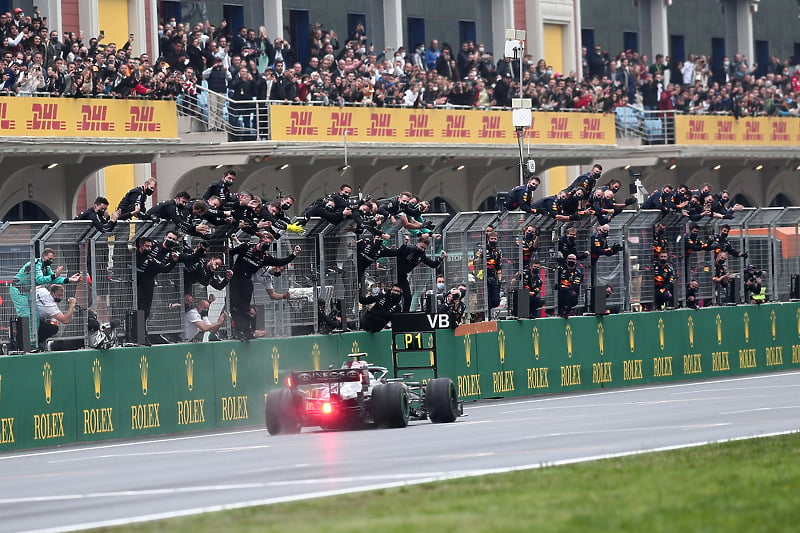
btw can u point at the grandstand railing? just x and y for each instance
(211, 111)
(326, 269)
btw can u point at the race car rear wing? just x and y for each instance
(338, 375)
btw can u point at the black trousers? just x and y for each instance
(240, 295)
(492, 292)
(567, 300)
(402, 280)
(46, 330)
(145, 286)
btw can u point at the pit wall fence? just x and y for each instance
(53, 398)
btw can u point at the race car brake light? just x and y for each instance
(289, 381)
(363, 379)
(327, 408)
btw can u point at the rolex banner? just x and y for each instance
(60, 398)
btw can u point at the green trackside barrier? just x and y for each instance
(88, 395)
(527, 357)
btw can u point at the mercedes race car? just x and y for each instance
(358, 395)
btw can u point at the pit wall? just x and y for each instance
(62, 398)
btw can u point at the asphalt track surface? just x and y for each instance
(80, 487)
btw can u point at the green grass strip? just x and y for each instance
(749, 485)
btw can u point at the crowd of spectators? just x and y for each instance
(246, 64)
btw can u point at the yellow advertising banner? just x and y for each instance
(107, 119)
(434, 126)
(719, 130)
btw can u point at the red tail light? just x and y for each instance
(289, 381)
(327, 408)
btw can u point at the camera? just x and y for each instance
(617, 247)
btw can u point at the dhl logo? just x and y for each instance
(752, 131)
(533, 132)
(559, 128)
(45, 117)
(490, 128)
(142, 120)
(725, 131)
(780, 132)
(300, 124)
(6, 124)
(341, 123)
(592, 129)
(418, 126)
(697, 131)
(456, 127)
(380, 125)
(93, 118)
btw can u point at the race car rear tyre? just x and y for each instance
(441, 399)
(283, 412)
(390, 406)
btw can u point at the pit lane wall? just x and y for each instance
(62, 398)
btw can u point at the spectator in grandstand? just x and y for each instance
(247, 260)
(383, 307)
(47, 299)
(97, 214)
(569, 278)
(218, 78)
(408, 258)
(133, 204)
(196, 325)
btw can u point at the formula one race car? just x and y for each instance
(358, 395)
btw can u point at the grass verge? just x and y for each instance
(750, 485)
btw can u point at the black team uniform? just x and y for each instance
(249, 259)
(569, 280)
(408, 257)
(383, 307)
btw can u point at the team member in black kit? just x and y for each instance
(222, 190)
(249, 259)
(370, 249)
(198, 269)
(383, 307)
(663, 280)
(153, 259)
(98, 215)
(133, 203)
(569, 280)
(408, 257)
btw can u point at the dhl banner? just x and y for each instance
(108, 119)
(434, 126)
(766, 131)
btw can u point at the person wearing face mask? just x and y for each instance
(718, 242)
(408, 258)
(532, 282)
(133, 204)
(659, 241)
(266, 276)
(247, 260)
(383, 307)
(453, 307)
(153, 259)
(494, 271)
(569, 278)
(198, 269)
(601, 248)
(438, 293)
(196, 325)
(521, 196)
(222, 190)
(721, 279)
(663, 282)
(587, 181)
(334, 208)
(43, 274)
(529, 244)
(98, 215)
(50, 315)
(368, 250)
(567, 244)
